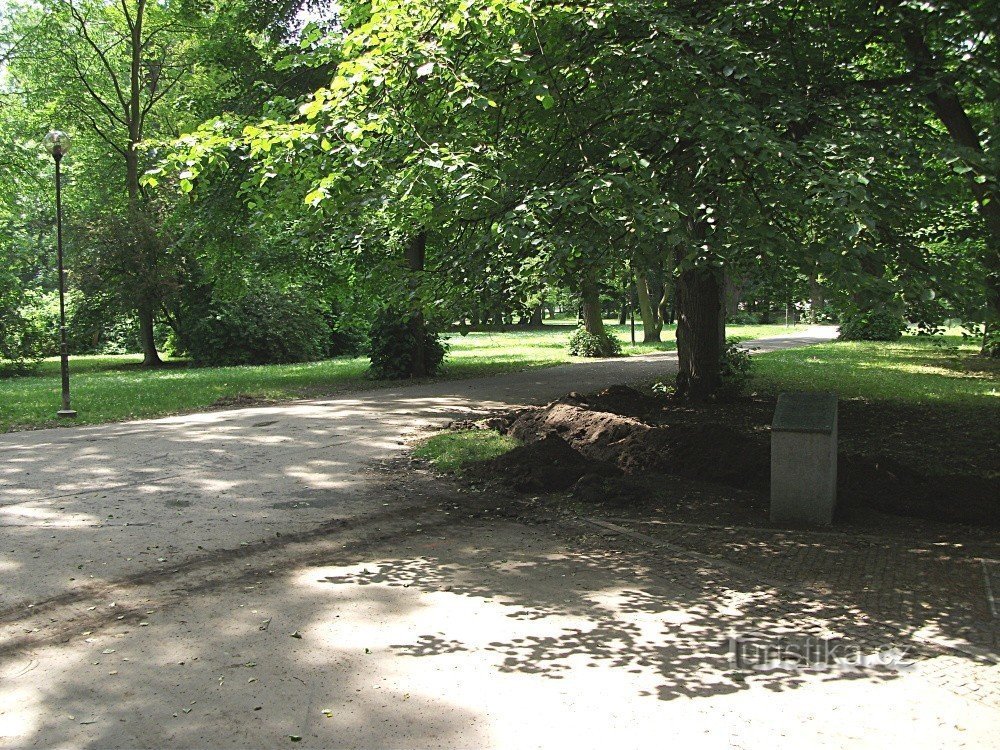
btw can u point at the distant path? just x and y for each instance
(83, 506)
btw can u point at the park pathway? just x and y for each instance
(247, 579)
(83, 506)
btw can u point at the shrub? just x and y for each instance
(991, 342)
(395, 339)
(872, 325)
(22, 333)
(585, 344)
(265, 326)
(96, 325)
(735, 368)
(743, 318)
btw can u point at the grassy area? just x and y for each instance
(107, 389)
(449, 451)
(941, 371)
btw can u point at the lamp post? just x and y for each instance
(57, 144)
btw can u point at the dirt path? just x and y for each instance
(245, 579)
(80, 507)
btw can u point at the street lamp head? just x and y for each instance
(57, 143)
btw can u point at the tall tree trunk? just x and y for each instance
(666, 306)
(817, 299)
(947, 106)
(590, 304)
(416, 253)
(651, 322)
(700, 333)
(536, 315)
(134, 118)
(733, 294)
(150, 358)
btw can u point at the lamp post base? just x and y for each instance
(66, 413)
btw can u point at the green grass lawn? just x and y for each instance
(449, 451)
(115, 388)
(941, 371)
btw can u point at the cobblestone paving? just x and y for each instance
(926, 597)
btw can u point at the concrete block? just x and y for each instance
(804, 459)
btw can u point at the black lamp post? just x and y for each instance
(57, 144)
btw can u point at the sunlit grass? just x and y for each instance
(115, 388)
(449, 451)
(942, 370)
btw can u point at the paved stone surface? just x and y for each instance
(931, 586)
(926, 597)
(454, 631)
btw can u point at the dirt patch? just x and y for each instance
(579, 440)
(240, 401)
(547, 465)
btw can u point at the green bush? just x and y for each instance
(991, 342)
(21, 342)
(872, 325)
(735, 368)
(23, 337)
(395, 340)
(585, 344)
(266, 326)
(96, 325)
(743, 318)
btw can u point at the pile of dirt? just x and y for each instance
(708, 452)
(619, 399)
(599, 435)
(547, 465)
(620, 433)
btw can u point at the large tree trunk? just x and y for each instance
(151, 357)
(733, 294)
(948, 107)
(416, 252)
(817, 299)
(536, 315)
(652, 324)
(134, 122)
(590, 305)
(700, 333)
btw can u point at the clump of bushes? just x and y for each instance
(872, 325)
(735, 369)
(991, 343)
(265, 326)
(402, 345)
(585, 344)
(22, 333)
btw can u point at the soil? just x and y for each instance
(615, 446)
(549, 464)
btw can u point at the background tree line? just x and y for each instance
(251, 187)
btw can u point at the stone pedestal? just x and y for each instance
(804, 459)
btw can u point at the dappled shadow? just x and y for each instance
(626, 610)
(454, 629)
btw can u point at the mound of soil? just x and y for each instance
(618, 399)
(599, 435)
(547, 465)
(709, 452)
(620, 428)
